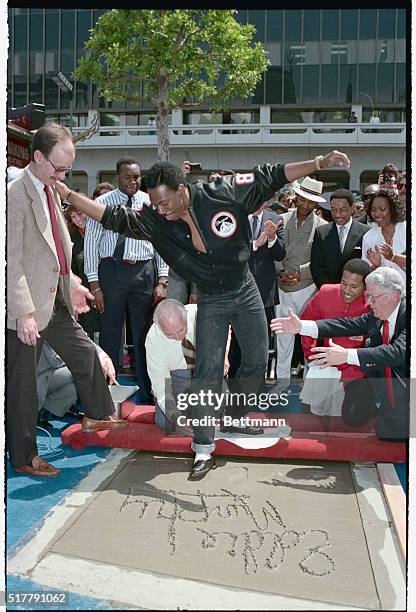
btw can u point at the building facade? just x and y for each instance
(324, 64)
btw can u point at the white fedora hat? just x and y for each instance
(310, 189)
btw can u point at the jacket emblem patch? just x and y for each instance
(224, 224)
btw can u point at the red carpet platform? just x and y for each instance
(313, 438)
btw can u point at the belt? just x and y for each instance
(129, 262)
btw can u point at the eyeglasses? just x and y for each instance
(58, 170)
(372, 298)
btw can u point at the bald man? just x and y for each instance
(170, 355)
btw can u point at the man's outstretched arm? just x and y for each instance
(80, 202)
(116, 218)
(334, 159)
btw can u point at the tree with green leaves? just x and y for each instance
(172, 59)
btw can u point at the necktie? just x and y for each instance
(118, 254)
(387, 371)
(255, 227)
(188, 350)
(341, 235)
(63, 266)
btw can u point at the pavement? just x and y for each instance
(124, 529)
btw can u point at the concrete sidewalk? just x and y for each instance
(252, 534)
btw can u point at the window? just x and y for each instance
(68, 42)
(293, 21)
(274, 25)
(330, 24)
(368, 21)
(291, 85)
(386, 23)
(83, 25)
(256, 18)
(400, 83)
(366, 80)
(347, 83)
(385, 83)
(401, 23)
(274, 85)
(310, 83)
(311, 25)
(329, 83)
(349, 24)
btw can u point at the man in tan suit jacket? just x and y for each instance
(42, 298)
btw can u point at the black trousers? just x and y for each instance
(71, 343)
(127, 285)
(234, 351)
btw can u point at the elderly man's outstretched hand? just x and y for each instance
(286, 325)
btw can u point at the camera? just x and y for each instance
(195, 165)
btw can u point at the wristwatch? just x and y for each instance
(318, 162)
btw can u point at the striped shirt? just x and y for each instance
(100, 243)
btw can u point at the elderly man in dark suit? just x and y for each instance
(383, 357)
(335, 243)
(43, 295)
(267, 246)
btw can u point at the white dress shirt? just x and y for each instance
(310, 328)
(165, 354)
(40, 189)
(347, 229)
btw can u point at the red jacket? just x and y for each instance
(329, 303)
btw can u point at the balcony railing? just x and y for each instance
(271, 134)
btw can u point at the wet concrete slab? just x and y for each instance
(292, 529)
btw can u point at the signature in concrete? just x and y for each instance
(264, 544)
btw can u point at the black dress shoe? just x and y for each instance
(249, 430)
(200, 468)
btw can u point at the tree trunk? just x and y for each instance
(162, 121)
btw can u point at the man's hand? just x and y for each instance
(287, 325)
(186, 167)
(159, 293)
(271, 228)
(335, 159)
(374, 256)
(27, 330)
(262, 239)
(62, 189)
(192, 298)
(289, 278)
(107, 368)
(331, 355)
(98, 301)
(80, 295)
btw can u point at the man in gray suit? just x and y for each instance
(296, 286)
(43, 295)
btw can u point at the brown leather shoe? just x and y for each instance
(111, 422)
(39, 468)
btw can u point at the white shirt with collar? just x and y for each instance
(347, 228)
(310, 328)
(164, 354)
(270, 243)
(40, 189)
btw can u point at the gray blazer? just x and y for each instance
(32, 262)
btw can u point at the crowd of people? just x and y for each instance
(204, 274)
